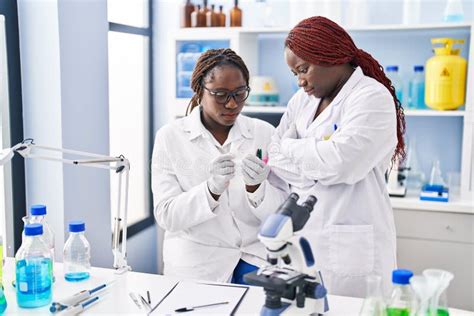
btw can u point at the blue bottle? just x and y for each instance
(34, 274)
(77, 253)
(416, 99)
(3, 301)
(392, 74)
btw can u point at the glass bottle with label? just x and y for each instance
(198, 17)
(186, 11)
(221, 16)
(212, 17)
(236, 15)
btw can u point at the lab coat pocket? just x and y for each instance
(351, 249)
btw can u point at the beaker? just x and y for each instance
(424, 290)
(415, 176)
(454, 183)
(374, 304)
(440, 280)
(436, 178)
(453, 12)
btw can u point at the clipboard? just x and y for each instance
(188, 294)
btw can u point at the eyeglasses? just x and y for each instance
(223, 97)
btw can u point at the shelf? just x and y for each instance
(411, 202)
(264, 109)
(226, 32)
(182, 103)
(433, 113)
(413, 27)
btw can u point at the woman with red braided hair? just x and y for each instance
(335, 141)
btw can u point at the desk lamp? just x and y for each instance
(121, 166)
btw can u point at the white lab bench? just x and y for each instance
(117, 301)
(438, 235)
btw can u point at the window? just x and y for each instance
(3, 121)
(130, 102)
(12, 175)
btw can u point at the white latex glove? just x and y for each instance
(254, 170)
(290, 132)
(222, 170)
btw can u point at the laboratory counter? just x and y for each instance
(117, 300)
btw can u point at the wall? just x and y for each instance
(64, 58)
(142, 251)
(41, 85)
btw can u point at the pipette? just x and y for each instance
(78, 308)
(76, 298)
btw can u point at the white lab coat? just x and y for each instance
(205, 239)
(351, 229)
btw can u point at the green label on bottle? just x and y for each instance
(391, 311)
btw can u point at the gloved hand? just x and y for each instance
(222, 170)
(254, 170)
(290, 132)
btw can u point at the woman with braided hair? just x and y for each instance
(335, 141)
(211, 192)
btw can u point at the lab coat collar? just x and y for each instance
(193, 125)
(356, 76)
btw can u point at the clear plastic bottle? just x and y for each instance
(402, 301)
(392, 74)
(416, 90)
(77, 253)
(34, 276)
(38, 216)
(374, 304)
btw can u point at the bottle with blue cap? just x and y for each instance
(38, 216)
(77, 253)
(393, 75)
(416, 90)
(402, 301)
(34, 277)
(3, 301)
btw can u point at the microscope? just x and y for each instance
(291, 274)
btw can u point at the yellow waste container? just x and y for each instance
(445, 79)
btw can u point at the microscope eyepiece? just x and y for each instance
(310, 202)
(294, 196)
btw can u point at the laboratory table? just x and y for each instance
(117, 301)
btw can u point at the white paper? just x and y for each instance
(189, 294)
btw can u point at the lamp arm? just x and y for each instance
(120, 165)
(120, 253)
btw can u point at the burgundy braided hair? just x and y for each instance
(320, 41)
